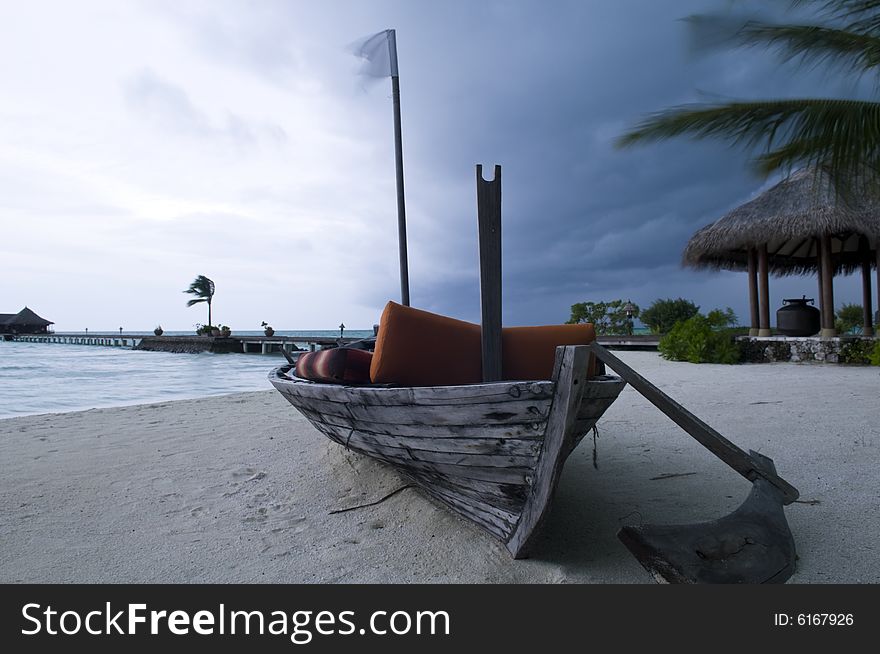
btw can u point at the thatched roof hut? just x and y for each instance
(801, 225)
(789, 218)
(23, 322)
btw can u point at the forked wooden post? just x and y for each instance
(489, 220)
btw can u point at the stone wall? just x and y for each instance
(767, 349)
(189, 344)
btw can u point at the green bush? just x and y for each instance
(662, 315)
(874, 357)
(858, 351)
(701, 339)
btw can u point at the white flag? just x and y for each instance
(379, 53)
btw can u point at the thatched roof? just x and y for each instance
(25, 317)
(788, 217)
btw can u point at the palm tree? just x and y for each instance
(841, 136)
(203, 289)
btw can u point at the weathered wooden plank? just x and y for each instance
(533, 430)
(407, 455)
(569, 373)
(598, 396)
(461, 473)
(489, 413)
(605, 386)
(509, 496)
(503, 521)
(473, 446)
(511, 506)
(479, 505)
(429, 395)
(489, 523)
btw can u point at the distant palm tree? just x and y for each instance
(841, 136)
(203, 289)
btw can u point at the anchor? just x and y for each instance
(752, 545)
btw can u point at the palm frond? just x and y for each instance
(856, 50)
(816, 44)
(842, 136)
(196, 301)
(856, 15)
(202, 287)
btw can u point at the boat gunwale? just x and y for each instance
(279, 375)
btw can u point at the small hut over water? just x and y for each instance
(799, 226)
(23, 322)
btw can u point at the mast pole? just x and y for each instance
(398, 164)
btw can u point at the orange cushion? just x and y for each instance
(418, 348)
(530, 352)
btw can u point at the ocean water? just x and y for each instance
(54, 378)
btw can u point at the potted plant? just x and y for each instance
(267, 329)
(158, 331)
(225, 331)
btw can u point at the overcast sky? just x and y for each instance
(144, 143)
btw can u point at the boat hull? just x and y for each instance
(490, 452)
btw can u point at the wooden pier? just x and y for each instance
(112, 340)
(260, 344)
(635, 342)
(243, 344)
(273, 344)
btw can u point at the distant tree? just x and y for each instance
(607, 317)
(203, 289)
(722, 318)
(849, 319)
(662, 315)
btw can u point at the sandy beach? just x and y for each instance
(240, 488)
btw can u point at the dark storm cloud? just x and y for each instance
(543, 89)
(545, 95)
(544, 92)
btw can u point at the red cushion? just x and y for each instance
(340, 365)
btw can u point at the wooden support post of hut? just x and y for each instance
(827, 267)
(867, 309)
(764, 278)
(754, 326)
(820, 299)
(877, 265)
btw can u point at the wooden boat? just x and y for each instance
(491, 452)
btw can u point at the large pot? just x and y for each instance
(797, 318)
